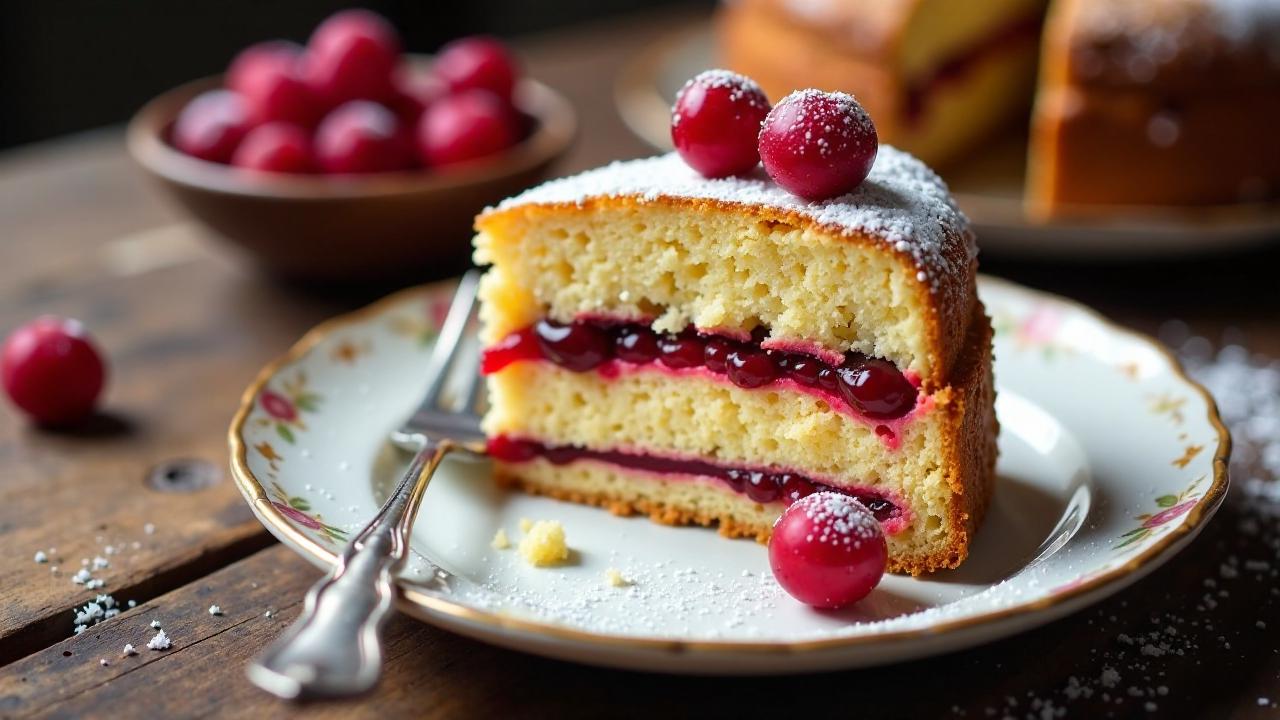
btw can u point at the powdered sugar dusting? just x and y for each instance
(902, 204)
(741, 89)
(838, 519)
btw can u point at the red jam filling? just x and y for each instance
(873, 387)
(758, 485)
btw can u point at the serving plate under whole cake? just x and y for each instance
(1111, 461)
(988, 185)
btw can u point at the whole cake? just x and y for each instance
(1138, 102)
(711, 350)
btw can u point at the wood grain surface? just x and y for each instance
(186, 324)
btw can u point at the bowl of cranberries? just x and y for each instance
(348, 160)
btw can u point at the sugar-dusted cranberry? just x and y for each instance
(827, 550)
(635, 344)
(876, 388)
(361, 137)
(716, 121)
(804, 369)
(762, 487)
(467, 126)
(577, 346)
(509, 449)
(795, 487)
(351, 56)
(818, 145)
(269, 78)
(750, 368)
(212, 125)
(519, 345)
(478, 63)
(52, 370)
(275, 147)
(716, 354)
(680, 351)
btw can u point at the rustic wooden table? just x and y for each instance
(187, 324)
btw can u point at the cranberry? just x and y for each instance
(736, 479)
(520, 345)
(211, 126)
(248, 62)
(716, 354)
(477, 63)
(414, 92)
(52, 370)
(881, 508)
(818, 145)
(750, 368)
(351, 56)
(716, 121)
(636, 345)
(762, 487)
(270, 81)
(795, 487)
(680, 351)
(509, 449)
(578, 347)
(804, 370)
(828, 380)
(275, 147)
(827, 550)
(361, 137)
(876, 388)
(464, 127)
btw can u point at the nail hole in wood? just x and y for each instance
(183, 475)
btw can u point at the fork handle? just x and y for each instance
(334, 648)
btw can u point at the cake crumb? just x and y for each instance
(615, 578)
(500, 540)
(525, 524)
(544, 543)
(215, 610)
(160, 641)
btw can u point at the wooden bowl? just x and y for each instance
(349, 229)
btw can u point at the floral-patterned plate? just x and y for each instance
(1111, 461)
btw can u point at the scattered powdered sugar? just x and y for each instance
(902, 204)
(836, 114)
(215, 610)
(159, 642)
(41, 557)
(838, 519)
(128, 651)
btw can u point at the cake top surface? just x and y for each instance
(1139, 40)
(903, 205)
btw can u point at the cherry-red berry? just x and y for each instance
(414, 92)
(351, 56)
(211, 126)
(478, 63)
(715, 123)
(827, 550)
(464, 127)
(361, 137)
(275, 147)
(52, 370)
(818, 145)
(269, 78)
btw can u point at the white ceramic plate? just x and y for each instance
(988, 185)
(1111, 461)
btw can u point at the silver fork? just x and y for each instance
(334, 647)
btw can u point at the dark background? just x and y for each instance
(67, 65)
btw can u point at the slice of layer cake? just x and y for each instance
(938, 76)
(708, 351)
